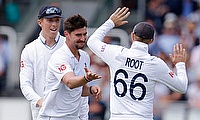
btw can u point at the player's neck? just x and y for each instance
(50, 42)
(74, 51)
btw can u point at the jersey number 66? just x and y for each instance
(132, 85)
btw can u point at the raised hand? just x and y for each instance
(179, 54)
(91, 76)
(119, 16)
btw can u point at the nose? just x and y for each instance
(54, 23)
(83, 37)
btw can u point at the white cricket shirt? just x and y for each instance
(34, 59)
(134, 74)
(59, 99)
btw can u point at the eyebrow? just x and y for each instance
(81, 33)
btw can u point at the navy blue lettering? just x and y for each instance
(132, 63)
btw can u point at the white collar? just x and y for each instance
(43, 39)
(140, 46)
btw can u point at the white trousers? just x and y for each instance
(58, 118)
(34, 111)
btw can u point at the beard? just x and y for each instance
(80, 45)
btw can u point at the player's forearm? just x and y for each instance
(100, 33)
(30, 94)
(180, 82)
(74, 81)
(182, 76)
(176, 82)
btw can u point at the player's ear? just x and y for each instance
(132, 36)
(39, 22)
(151, 41)
(66, 33)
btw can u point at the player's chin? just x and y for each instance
(81, 46)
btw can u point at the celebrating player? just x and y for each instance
(67, 75)
(36, 54)
(134, 72)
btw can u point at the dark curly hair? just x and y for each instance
(74, 22)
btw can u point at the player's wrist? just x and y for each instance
(86, 78)
(91, 90)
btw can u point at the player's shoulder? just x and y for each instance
(31, 45)
(59, 55)
(155, 58)
(156, 61)
(60, 51)
(62, 38)
(121, 49)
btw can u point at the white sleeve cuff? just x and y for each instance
(180, 65)
(109, 21)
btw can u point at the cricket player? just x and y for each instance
(67, 75)
(134, 72)
(35, 56)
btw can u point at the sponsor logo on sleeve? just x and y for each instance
(171, 74)
(62, 68)
(103, 47)
(22, 64)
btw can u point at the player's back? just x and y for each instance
(132, 84)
